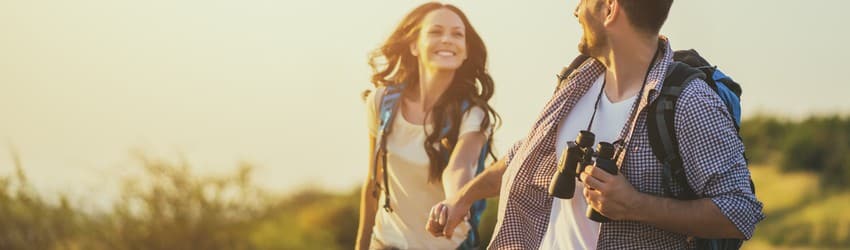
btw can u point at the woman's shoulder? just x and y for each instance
(371, 95)
(473, 118)
(474, 112)
(371, 105)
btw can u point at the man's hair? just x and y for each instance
(647, 15)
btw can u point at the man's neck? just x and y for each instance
(627, 65)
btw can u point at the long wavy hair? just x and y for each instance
(392, 63)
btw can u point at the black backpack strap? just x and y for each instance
(662, 130)
(567, 71)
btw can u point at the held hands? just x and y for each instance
(445, 217)
(611, 195)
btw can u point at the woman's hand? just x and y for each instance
(446, 216)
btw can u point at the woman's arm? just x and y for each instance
(368, 204)
(462, 163)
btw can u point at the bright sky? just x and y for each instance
(277, 83)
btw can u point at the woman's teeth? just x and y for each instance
(445, 53)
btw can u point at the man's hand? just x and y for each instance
(611, 195)
(445, 216)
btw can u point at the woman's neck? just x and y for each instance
(432, 85)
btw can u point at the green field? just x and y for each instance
(800, 214)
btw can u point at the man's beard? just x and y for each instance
(594, 45)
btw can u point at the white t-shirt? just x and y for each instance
(569, 227)
(411, 196)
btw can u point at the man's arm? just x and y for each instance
(713, 157)
(485, 185)
(700, 218)
(614, 197)
(715, 168)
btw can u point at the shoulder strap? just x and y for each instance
(662, 132)
(464, 106)
(387, 107)
(568, 70)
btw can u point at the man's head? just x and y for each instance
(605, 21)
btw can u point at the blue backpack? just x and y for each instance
(388, 108)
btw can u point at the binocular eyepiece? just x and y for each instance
(572, 162)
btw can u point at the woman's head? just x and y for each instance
(441, 42)
(438, 37)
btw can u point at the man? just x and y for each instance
(629, 60)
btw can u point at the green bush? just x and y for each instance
(763, 137)
(819, 144)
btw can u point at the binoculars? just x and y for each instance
(572, 162)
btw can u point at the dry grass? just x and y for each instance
(799, 213)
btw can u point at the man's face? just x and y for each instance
(591, 14)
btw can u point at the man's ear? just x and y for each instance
(613, 12)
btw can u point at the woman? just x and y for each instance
(437, 62)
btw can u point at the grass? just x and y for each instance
(800, 214)
(178, 209)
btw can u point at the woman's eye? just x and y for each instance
(458, 34)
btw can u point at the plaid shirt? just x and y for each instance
(711, 151)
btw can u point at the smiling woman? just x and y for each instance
(434, 65)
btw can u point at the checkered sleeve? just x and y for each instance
(713, 158)
(512, 151)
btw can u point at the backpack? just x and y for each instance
(687, 65)
(388, 108)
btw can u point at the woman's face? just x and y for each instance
(442, 41)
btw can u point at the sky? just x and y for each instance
(85, 84)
